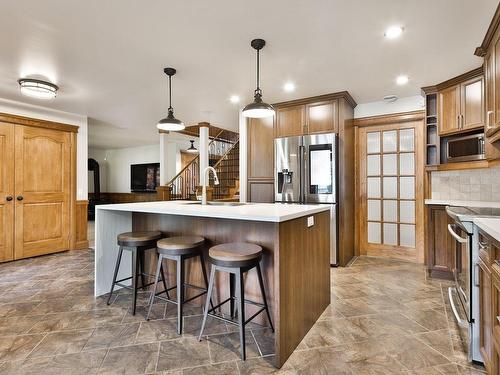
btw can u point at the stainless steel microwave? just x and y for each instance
(464, 148)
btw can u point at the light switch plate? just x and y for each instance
(310, 221)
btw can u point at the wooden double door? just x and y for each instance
(35, 190)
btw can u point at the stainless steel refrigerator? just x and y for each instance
(306, 173)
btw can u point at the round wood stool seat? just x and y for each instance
(182, 245)
(235, 252)
(138, 239)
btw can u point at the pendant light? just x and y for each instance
(258, 109)
(192, 149)
(170, 122)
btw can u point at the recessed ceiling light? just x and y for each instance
(393, 32)
(37, 88)
(289, 87)
(234, 99)
(402, 80)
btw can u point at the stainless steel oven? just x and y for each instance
(462, 270)
(464, 148)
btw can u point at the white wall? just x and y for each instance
(410, 103)
(43, 113)
(114, 165)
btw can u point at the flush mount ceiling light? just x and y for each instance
(393, 32)
(289, 87)
(192, 149)
(402, 80)
(258, 109)
(37, 88)
(234, 99)
(170, 122)
(390, 98)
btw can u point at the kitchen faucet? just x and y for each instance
(204, 183)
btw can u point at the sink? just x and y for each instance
(216, 203)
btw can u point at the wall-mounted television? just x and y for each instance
(144, 177)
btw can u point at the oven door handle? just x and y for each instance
(456, 236)
(461, 322)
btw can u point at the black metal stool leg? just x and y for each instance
(262, 291)
(117, 268)
(164, 281)
(207, 303)
(142, 268)
(157, 275)
(204, 271)
(241, 311)
(135, 269)
(231, 295)
(180, 292)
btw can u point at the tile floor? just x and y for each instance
(385, 318)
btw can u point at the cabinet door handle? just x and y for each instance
(8, 198)
(476, 274)
(463, 121)
(488, 125)
(19, 197)
(458, 121)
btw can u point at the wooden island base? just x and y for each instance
(295, 265)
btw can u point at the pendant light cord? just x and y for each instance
(169, 92)
(258, 64)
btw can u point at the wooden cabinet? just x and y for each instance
(490, 51)
(440, 244)
(260, 160)
(472, 103)
(6, 192)
(461, 106)
(290, 121)
(449, 110)
(321, 117)
(37, 187)
(311, 118)
(489, 302)
(485, 316)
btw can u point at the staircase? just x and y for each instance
(228, 171)
(224, 157)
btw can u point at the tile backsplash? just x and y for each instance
(470, 184)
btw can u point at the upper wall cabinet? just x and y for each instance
(311, 118)
(290, 121)
(321, 117)
(490, 51)
(461, 104)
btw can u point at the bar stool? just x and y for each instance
(236, 258)
(179, 249)
(137, 243)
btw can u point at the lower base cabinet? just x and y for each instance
(485, 321)
(440, 247)
(489, 302)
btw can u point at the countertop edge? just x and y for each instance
(461, 203)
(484, 224)
(262, 218)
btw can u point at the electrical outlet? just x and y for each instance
(310, 221)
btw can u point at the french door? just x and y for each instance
(391, 190)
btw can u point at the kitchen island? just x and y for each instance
(295, 264)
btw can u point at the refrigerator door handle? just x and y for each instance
(302, 174)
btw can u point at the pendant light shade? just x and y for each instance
(258, 108)
(170, 122)
(192, 149)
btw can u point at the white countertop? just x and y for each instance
(490, 226)
(458, 203)
(271, 212)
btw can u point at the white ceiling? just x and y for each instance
(108, 56)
